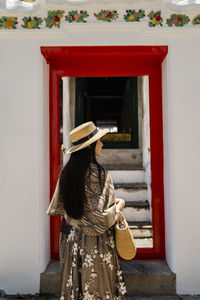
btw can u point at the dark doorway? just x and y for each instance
(110, 102)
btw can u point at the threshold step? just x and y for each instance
(50, 279)
(148, 277)
(158, 297)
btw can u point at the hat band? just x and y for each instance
(86, 138)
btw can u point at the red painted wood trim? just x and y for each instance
(55, 159)
(86, 61)
(55, 54)
(157, 180)
(54, 113)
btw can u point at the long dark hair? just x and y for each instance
(72, 180)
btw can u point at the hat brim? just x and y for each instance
(97, 136)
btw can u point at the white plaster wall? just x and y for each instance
(66, 118)
(24, 159)
(146, 137)
(182, 164)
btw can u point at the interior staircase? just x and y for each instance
(130, 185)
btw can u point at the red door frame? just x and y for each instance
(110, 61)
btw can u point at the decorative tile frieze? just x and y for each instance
(196, 20)
(8, 22)
(54, 17)
(177, 20)
(107, 15)
(32, 23)
(134, 16)
(155, 18)
(75, 16)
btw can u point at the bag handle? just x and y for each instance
(121, 219)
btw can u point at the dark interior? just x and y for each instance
(110, 102)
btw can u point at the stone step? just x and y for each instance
(148, 277)
(4, 296)
(141, 231)
(133, 297)
(159, 297)
(131, 185)
(140, 224)
(138, 204)
(136, 175)
(131, 191)
(144, 242)
(137, 211)
(123, 167)
(121, 157)
(50, 279)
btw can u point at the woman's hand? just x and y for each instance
(120, 204)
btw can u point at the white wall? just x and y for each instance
(182, 163)
(24, 158)
(146, 145)
(66, 118)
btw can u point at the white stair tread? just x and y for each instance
(141, 185)
(138, 204)
(124, 167)
(144, 243)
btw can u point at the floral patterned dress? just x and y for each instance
(88, 257)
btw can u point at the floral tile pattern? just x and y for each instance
(54, 17)
(106, 15)
(196, 20)
(8, 22)
(177, 20)
(134, 16)
(32, 23)
(74, 16)
(155, 18)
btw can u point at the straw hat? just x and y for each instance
(84, 135)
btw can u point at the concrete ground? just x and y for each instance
(136, 297)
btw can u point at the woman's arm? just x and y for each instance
(96, 220)
(101, 211)
(120, 204)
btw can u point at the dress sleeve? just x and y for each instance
(56, 207)
(97, 223)
(100, 211)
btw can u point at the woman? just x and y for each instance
(85, 198)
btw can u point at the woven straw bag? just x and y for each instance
(124, 240)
